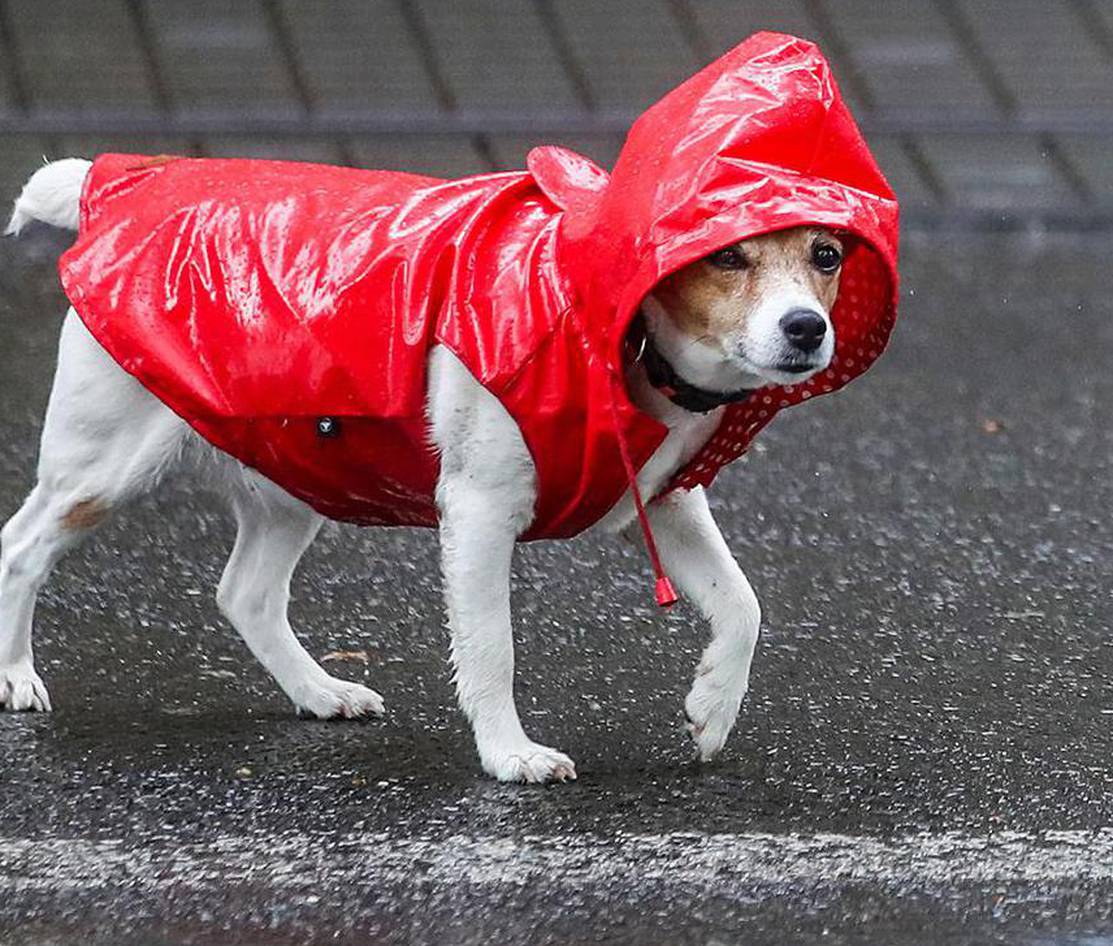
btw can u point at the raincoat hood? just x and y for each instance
(288, 311)
(759, 140)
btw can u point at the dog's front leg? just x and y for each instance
(476, 547)
(696, 556)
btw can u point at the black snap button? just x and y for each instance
(328, 427)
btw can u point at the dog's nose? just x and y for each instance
(804, 328)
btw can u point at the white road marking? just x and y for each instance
(711, 862)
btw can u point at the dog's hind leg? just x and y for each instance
(275, 529)
(30, 544)
(105, 440)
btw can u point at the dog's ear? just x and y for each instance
(571, 181)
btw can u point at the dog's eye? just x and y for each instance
(826, 257)
(730, 257)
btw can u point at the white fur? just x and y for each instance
(485, 497)
(107, 440)
(52, 195)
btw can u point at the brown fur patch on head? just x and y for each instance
(711, 303)
(85, 515)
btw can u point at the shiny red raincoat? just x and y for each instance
(257, 297)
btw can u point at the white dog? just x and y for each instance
(749, 316)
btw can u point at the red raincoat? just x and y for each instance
(257, 297)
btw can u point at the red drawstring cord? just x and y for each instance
(665, 593)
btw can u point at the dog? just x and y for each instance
(750, 315)
(505, 357)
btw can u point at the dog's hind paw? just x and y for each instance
(333, 698)
(529, 762)
(22, 689)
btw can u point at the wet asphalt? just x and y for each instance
(924, 755)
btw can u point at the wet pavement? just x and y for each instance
(924, 756)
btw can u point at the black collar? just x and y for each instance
(664, 378)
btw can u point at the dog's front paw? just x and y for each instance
(333, 698)
(22, 689)
(528, 762)
(712, 707)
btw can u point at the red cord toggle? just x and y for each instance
(666, 593)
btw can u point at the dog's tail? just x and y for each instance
(52, 195)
